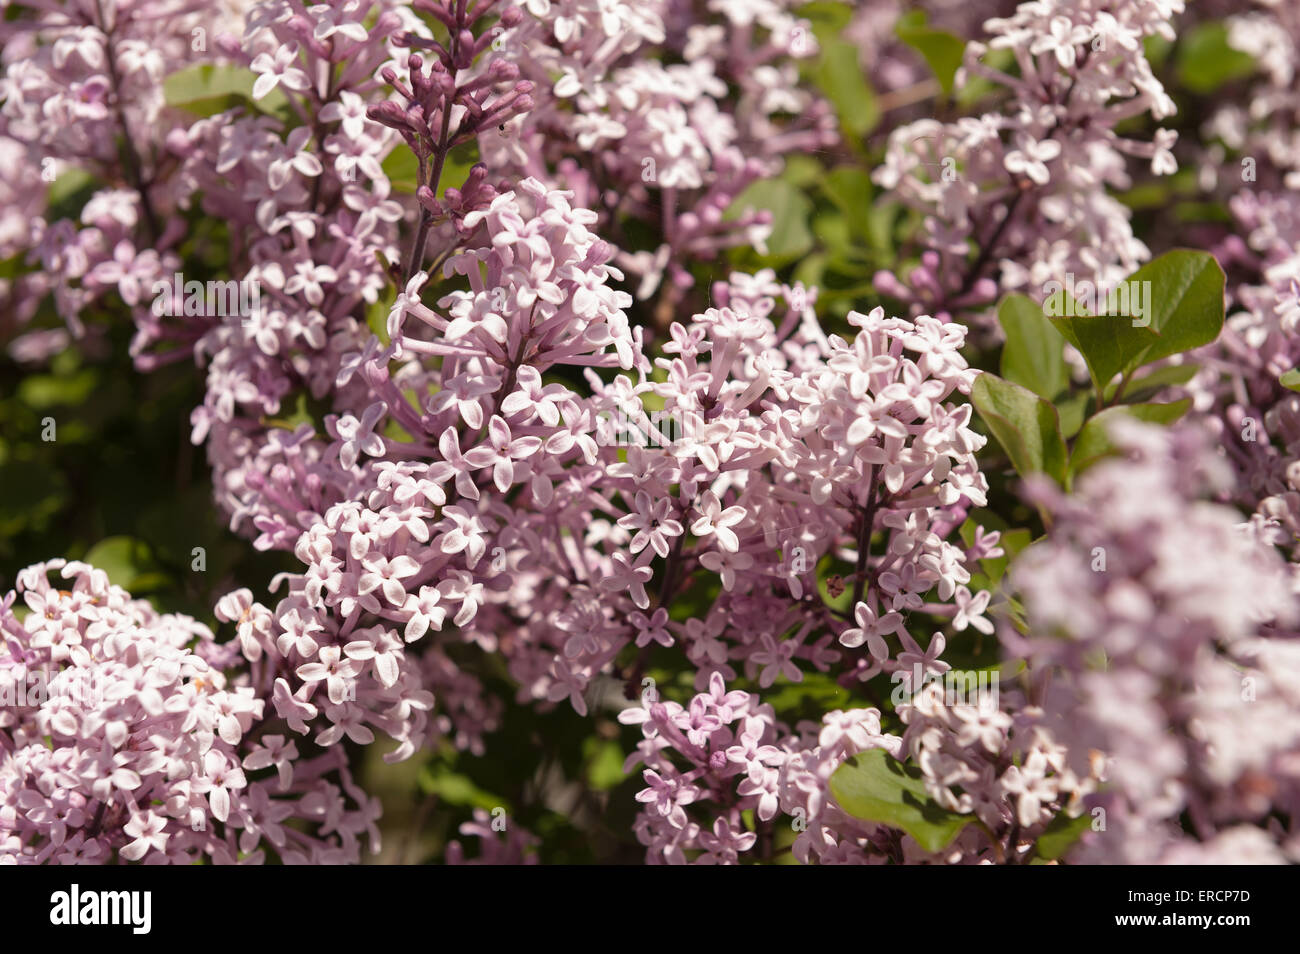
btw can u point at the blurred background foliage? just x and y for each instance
(119, 485)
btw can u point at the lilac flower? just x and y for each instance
(277, 69)
(147, 739)
(717, 521)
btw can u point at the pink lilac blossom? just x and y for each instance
(665, 143)
(503, 463)
(141, 747)
(707, 764)
(79, 79)
(792, 452)
(1030, 186)
(1195, 708)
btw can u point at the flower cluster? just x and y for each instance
(1195, 707)
(1030, 185)
(78, 81)
(139, 746)
(492, 355)
(667, 144)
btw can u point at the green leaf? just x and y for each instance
(205, 80)
(41, 391)
(828, 17)
(811, 270)
(1026, 425)
(12, 266)
(300, 415)
(210, 88)
(832, 227)
(1154, 382)
(1034, 354)
(802, 170)
(1157, 49)
(1094, 440)
(457, 789)
(455, 169)
(790, 210)
(1060, 835)
(875, 787)
(827, 568)
(402, 169)
(1012, 541)
(68, 193)
(943, 51)
(122, 558)
(977, 87)
(1291, 380)
(1186, 303)
(818, 693)
(839, 75)
(1073, 410)
(1206, 61)
(1179, 297)
(1107, 342)
(604, 763)
(850, 189)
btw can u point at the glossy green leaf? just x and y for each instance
(1291, 380)
(1186, 303)
(69, 192)
(875, 787)
(1026, 425)
(1034, 353)
(604, 763)
(402, 168)
(851, 191)
(42, 391)
(1073, 410)
(457, 789)
(828, 17)
(1148, 385)
(122, 558)
(1107, 342)
(210, 88)
(1177, 306)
